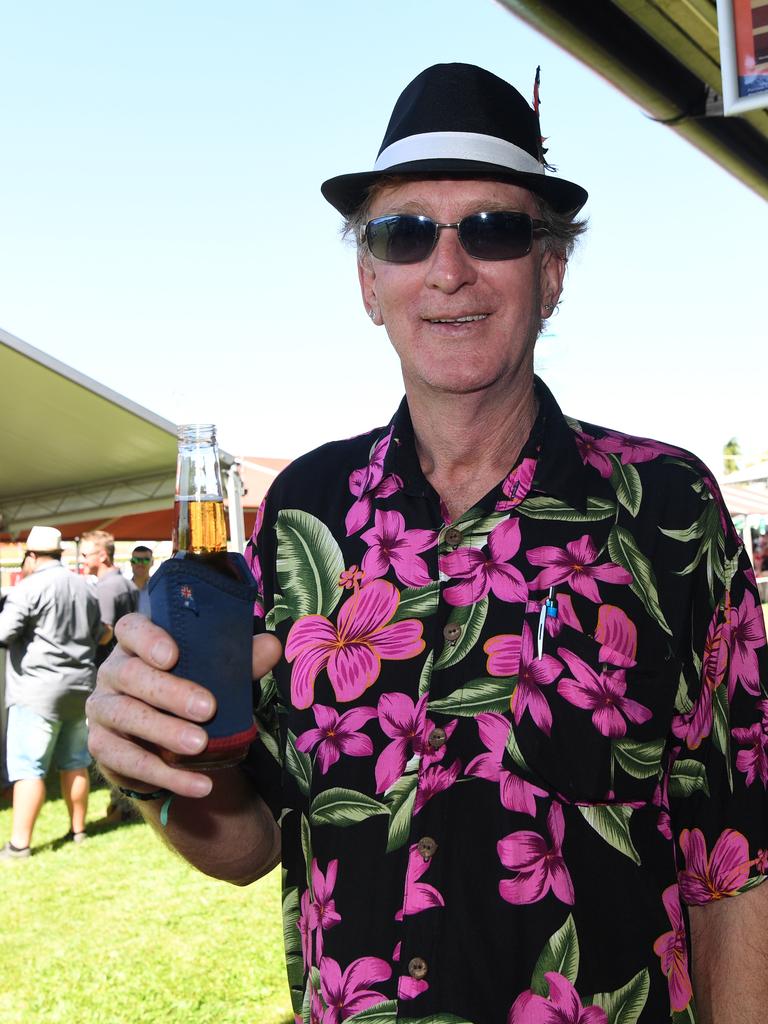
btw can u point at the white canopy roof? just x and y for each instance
(71, 449)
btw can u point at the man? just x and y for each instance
(523, 746)
(117, 595)
(142, 561)
(51, 624)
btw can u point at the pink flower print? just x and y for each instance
(754, 760)
(418, 895)
(566, 616)
(480, 573)
(409, 988)
(336, 735)
(517, 485)
(351, 578)
(672, 949)
(602, 694)
(696, 725)
(390, 544)
(369, 483)
(352, 649)
(348, 993)
(322, 911)
(539, 867)
(747, 635)
(595, 451)
(516, 794)
(563, 1006)
(434, 780)
(254, 564)
(617, 634)
(639, 449)
(574, 565)
(514, 655)
(704, 880)
(408, 727)
(305, 928)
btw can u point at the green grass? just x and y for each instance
(117, 930)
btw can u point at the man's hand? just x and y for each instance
(139, 709)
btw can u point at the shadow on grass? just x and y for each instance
(94, 830)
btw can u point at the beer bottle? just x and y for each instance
(203, 596)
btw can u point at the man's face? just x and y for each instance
(141, 563)
(505, 298)
(92, 557)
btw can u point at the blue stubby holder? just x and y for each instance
(210, 616)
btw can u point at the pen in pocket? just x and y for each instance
(547, 610)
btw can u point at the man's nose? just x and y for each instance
(449, 265)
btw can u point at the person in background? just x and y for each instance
(117, 595)
(142, 561)
(50, 624)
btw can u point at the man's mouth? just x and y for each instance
(457, 319)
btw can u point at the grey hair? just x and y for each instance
(562, 229)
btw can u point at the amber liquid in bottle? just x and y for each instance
(200, 529)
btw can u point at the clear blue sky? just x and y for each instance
(163, 231)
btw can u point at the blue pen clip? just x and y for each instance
(547, 610)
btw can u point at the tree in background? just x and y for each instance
(731, 453)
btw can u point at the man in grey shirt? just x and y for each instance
(117, 595)
(51, 624)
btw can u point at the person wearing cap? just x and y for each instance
(51, 624)
(515, 732)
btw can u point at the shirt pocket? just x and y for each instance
(603, 737)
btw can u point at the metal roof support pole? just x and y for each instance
(236, 515)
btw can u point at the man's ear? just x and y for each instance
(367, 278)
(551, 274)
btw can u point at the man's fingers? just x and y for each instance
(130, 717)
(128, 764)
(162, 690)
(267, 651)
(136, 634)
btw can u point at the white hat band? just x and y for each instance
(486, 149)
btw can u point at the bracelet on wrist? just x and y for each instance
(156, 794)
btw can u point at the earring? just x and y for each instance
(549, 306)
(372, 314)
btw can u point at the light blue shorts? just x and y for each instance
(35, 745)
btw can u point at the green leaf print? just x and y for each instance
(561, 954)
(488, 693)
(625, 1005)
(343, 807)
(291, 912)
(721, 728)
(624, 551)
(436, 1018)
(417, 602)
(471, 618)
(611, 821)
(513, 749)
(640, 760)
(686, 777)
(426, 674)
(399, 800)
(298, 764)
(476, 528)
(277, 613)
(625, 480)
(306, 848)
(552, 508)
(309, 563)
(382, 1013)
(707, 529)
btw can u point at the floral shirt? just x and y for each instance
(508, 751)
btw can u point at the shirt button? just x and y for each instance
(427, 847)
(437, 738)
(417, 968)
(453, 537)
(452, 632)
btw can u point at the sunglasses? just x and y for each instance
(140, 561)
(408, 238)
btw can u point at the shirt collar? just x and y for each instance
(559, 468)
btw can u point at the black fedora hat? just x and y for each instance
(462, 121)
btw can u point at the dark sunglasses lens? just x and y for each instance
(400, 238)
(497, 236)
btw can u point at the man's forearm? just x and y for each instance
(229, 834)
(730, 959)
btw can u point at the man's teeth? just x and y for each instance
(459, 319)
